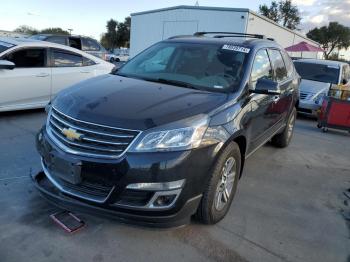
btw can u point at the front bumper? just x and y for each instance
(308, 107)
(112, 178)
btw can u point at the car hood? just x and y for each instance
(133, 104)
(313, 87)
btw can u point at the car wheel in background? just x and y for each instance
(222, 186)
(283, 139)
(111, 60)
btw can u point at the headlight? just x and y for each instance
(319, 98)
(173, 140)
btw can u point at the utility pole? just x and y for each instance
(70, 31)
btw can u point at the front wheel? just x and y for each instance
(221, 187)
(283, 139)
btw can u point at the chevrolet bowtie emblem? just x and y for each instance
(71, 134)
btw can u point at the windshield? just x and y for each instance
(318, 72)
(206, 67)
(4, 46)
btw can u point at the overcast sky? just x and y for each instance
(89, 17)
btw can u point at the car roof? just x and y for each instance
(27, 42)
(245, 41)
(320, 62)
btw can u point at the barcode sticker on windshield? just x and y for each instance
(236, 48)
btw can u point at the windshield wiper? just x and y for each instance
(175, 82)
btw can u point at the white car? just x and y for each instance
(317, 76)
(32, 72)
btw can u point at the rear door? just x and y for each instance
(282, 103)
(69, 68)
(29, 84)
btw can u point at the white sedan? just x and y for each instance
(33, 72)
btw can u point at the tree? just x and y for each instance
(55, 31)
(331, 37)
(283, 12)
(25, 29)
(123, 33)
(109, 39)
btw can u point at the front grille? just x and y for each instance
(305, 95)
(96, 140)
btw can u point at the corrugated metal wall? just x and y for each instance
(149, 28)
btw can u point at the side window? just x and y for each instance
(28, 58)
(289, 63)
(280, 71)
(66, 59)
(58, 40)
(90, 45)
(88, 62)
(261, 68)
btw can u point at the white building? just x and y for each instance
(152, 26)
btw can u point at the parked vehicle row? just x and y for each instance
(166, 136)
(86, 44)
(32, 72)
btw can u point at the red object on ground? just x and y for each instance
(304, 47)
(335, 113)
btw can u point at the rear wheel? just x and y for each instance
(111, 60)
(283, 139)
(221, 187)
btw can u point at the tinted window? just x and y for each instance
(289, 63)
(4, 46)
(90, 45)
(318, 72)
(88, 62)
(261, 68)
(346, 73)
(57, 40)
(28, 58)
(280, 71)
(67, 59)
(75, 42)
(210, 67)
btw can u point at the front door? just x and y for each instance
(28, 84)
(262, 117)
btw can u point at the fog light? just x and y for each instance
(164, 200)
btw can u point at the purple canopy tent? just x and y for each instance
(304, 47)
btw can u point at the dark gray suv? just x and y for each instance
(167, 135)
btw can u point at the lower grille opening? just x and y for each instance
(134, 198)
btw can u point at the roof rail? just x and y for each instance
(229, 34)
(179, 36)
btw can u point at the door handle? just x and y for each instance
(84, 72)
(276, 99)
(42, 75)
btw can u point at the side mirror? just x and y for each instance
(267, 87)
(4, 64)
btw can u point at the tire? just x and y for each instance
(209, 210)
(283, 139)
(117, 60)
(111, 60)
